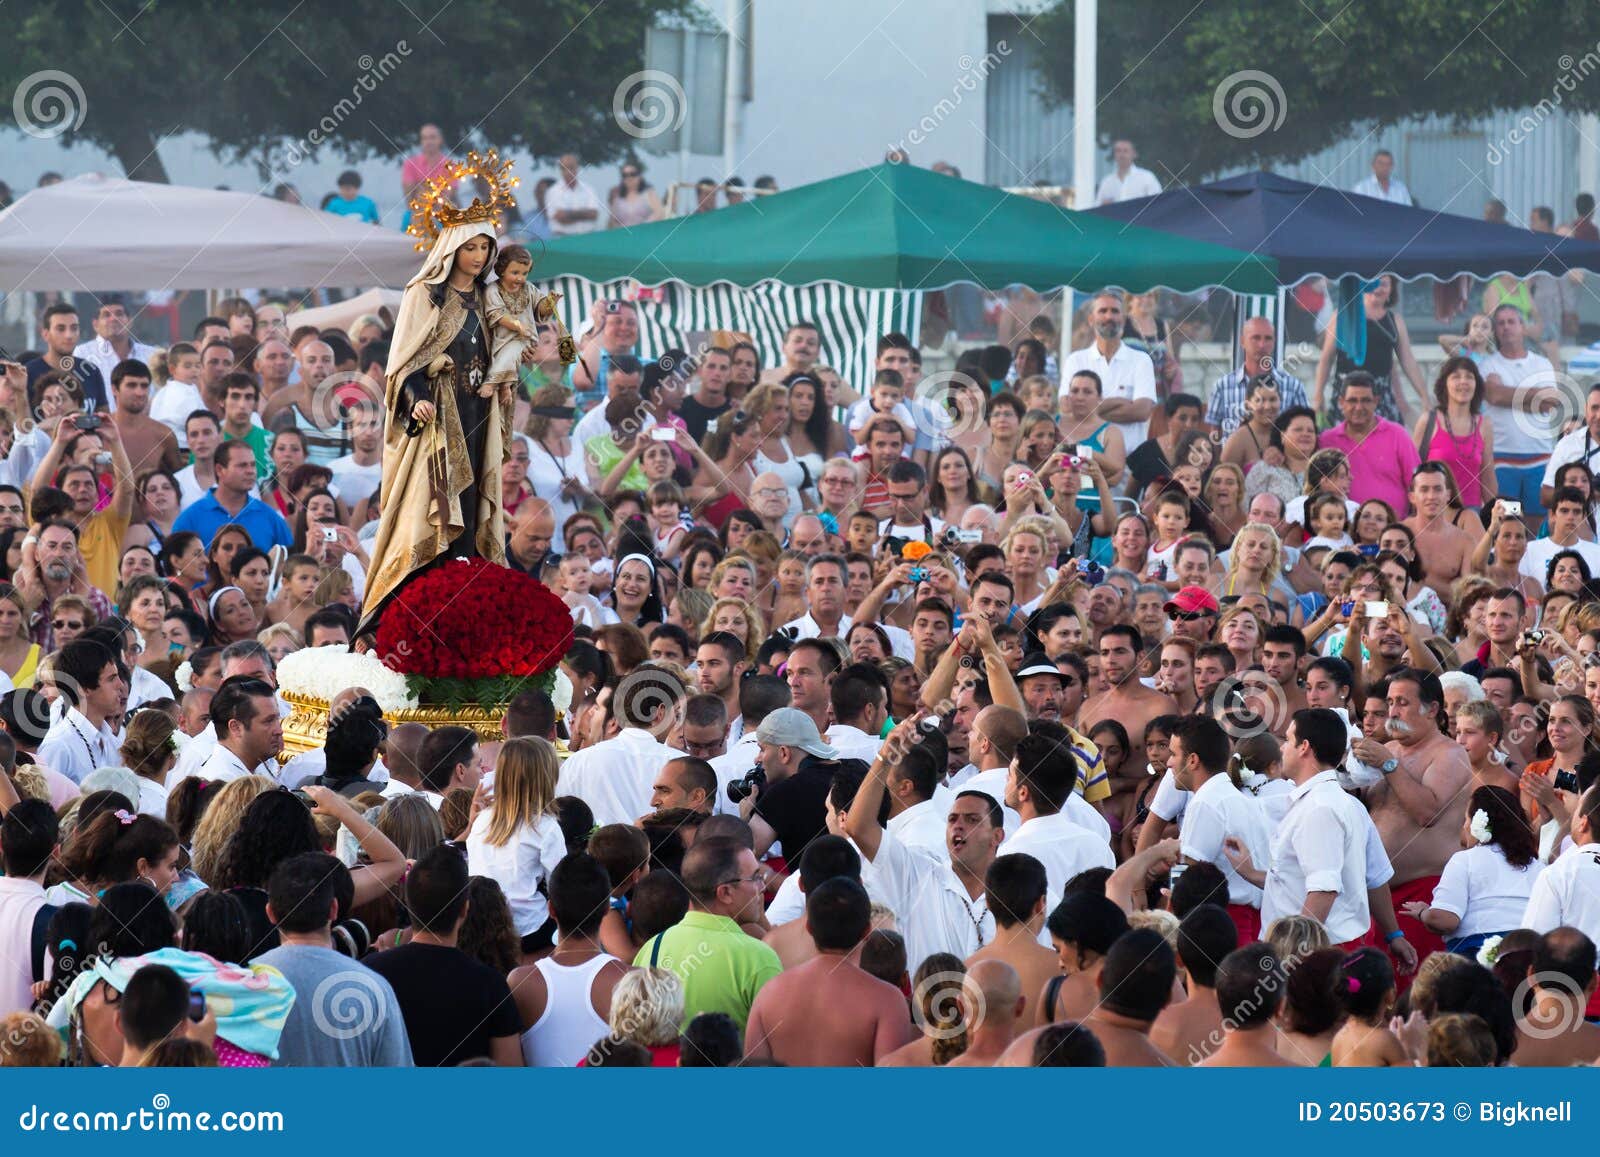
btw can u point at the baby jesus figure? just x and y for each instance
(511, 320)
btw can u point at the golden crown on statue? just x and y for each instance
(434, 208)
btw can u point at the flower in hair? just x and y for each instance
(1353, 983)
(1489, 951)
(124, 817)
(1481, 831)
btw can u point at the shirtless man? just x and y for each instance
(1126, 700)
(1250, 984)
(1553, 1033)
(1443, 548)
(149, 443)
(1135, 985)
(825, 858)
(828, 1012)
(1191, 1030)
(1015, 887)
(991, 997)
(1419, 805)
(299, 406)
(1281, 652)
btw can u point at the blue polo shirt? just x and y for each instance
(206, 516)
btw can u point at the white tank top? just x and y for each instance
(569, 1026)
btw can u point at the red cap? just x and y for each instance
(1191, 599)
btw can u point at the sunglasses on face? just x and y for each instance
(1191, 616)
(60, 625)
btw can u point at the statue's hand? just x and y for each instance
(422, 412)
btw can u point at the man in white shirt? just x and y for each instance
(1568, 891)
(1383, 184)
(624, 376)
(826, 577)
(356, 475)
(1323, 851)
(992, 744)
(1568, 515)
(939, 903)
(916, 812)
(615, 776)
(93, 683)
(1042, 776)
(1582, 445)
(28, 843)
(1128, 181)
(759, 696)
(202, 433)
(244, 658)
(113, 342)
(1216, 812)
(908, 500)
(720, 663)
(1519, 387)
(860, 703)
(244, 713)
(571, 206)
(1127, 376)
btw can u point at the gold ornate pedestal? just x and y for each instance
(306, 728)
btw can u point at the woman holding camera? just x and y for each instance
(1550, 786)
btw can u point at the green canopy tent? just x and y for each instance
(855, 253)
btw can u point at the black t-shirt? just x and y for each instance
(1146, 463)
(87, 373)
(453, 1005)
(699, 417)
(796, 808)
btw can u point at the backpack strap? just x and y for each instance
(1427, 433)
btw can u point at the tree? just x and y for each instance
(1226, 84)
(275, 80)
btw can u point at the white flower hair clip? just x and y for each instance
(1481, 831)
(1489, 950)
(184, 676)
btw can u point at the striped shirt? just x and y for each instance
(1226, 409)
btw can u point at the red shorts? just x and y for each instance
(1247, 920)
(1369, 939)
(1426, 943)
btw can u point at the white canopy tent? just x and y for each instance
(342, 314)
(105, 233)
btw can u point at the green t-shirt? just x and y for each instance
(721, 967)
(258, 440)
(606, 454)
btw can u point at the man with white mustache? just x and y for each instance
(1418, 805)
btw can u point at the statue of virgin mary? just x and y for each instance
(444, 444)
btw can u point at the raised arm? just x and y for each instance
(388, 863)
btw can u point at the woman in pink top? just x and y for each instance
(1454, 432)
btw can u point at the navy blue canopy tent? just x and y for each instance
(1317, 229)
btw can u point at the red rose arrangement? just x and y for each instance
(469, 630)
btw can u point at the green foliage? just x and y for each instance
(1341, 66)
(536, 75)
(489, 694)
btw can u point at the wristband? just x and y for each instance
(1397, 934)
(31, 540)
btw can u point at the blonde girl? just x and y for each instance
(515, 841)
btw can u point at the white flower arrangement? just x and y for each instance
(1489, 951)
(184, 676)
(561, 693)
(323, 672)
(1481, 831)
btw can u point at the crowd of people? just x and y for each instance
(1058, 718)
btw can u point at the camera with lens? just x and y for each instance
(748, 784)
